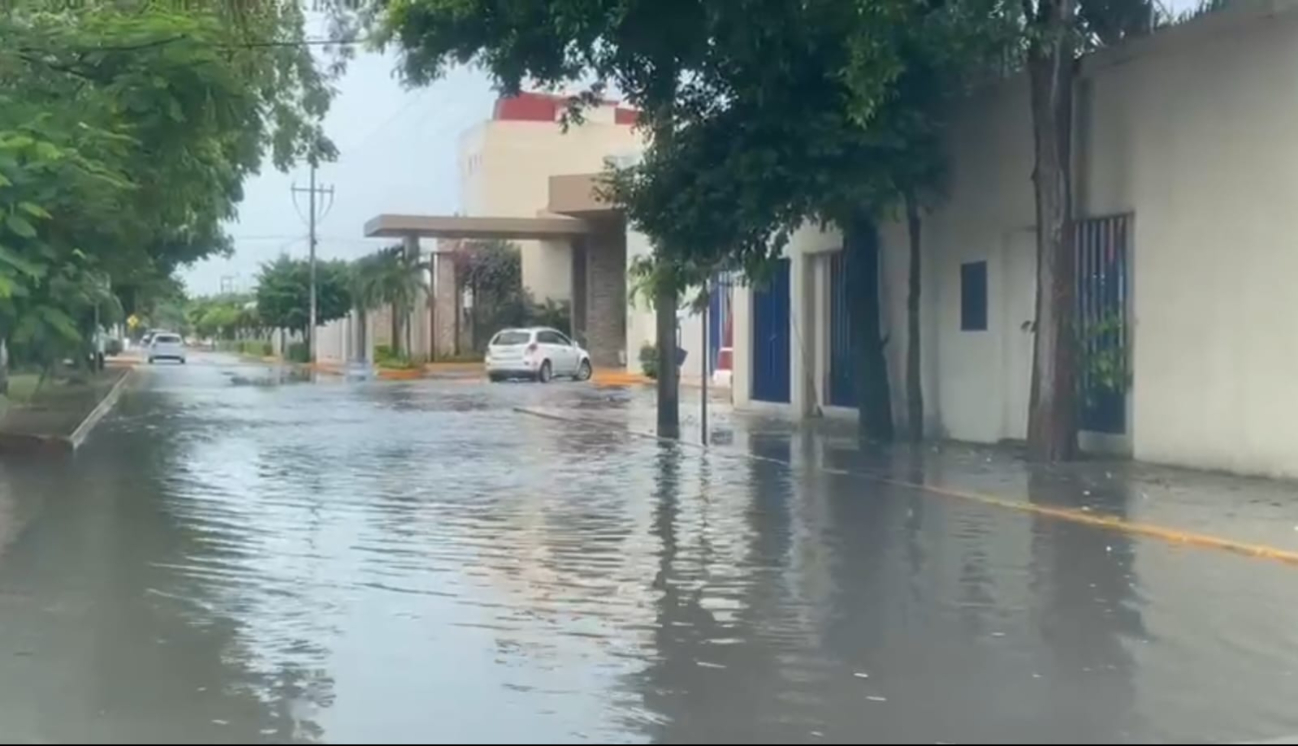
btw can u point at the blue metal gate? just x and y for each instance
(771, 348)
(1101, 250)
(842, 365)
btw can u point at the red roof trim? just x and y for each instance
(546, 107)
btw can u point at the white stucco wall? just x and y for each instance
(641, 322)
(505, 170)
(1182, 131)
(1189, 131)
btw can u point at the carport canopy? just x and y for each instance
(481, 228)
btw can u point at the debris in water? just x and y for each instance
(817, 734)
(1086, 492)
(877, 699)
(1036, 675)
(220, 722)
(861, 675)
(998, 634)
(1108, 548)
(705, 664)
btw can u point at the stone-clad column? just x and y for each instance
(445, 298)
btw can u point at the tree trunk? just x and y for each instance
(1052, 431)
(4, 368)
(914, 380)
(396, 330)
(669, 414)
(874, 396)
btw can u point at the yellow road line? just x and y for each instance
(1098, 520)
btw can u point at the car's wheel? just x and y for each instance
(545, 373)
(583, 371)
(495, 377)
(150, 361)
(183, 361)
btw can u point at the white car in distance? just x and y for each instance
(166, 346)
(538, 353)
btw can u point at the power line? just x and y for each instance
(271, 44)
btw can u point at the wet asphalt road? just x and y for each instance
(235, 557)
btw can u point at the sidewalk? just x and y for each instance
(63, 413)
(1245, 515)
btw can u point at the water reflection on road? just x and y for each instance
(239, 558)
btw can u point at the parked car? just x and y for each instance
(539, 353)
(166, 346)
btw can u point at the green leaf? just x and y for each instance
(61, 323)
(35, 210)
(20, 226)
(11, 258)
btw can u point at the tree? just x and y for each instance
(846, 129)
(126, 132)
(1055, 34)
(492, 273)
(390, 277)
(284, 292)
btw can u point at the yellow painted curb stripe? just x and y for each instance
(1098, 520)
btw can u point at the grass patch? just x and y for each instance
(22, 387)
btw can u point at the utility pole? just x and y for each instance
(312, 190)
(703, 360)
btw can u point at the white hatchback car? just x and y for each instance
(166, 346)
(539, 353)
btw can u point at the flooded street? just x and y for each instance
(237, 558)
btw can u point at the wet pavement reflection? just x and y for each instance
(240, 556)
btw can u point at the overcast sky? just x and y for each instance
(397, 153)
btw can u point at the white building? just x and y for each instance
(1186, 178)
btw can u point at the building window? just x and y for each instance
(973, 297)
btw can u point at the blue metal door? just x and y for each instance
(842, 365)
(771, 337)
(1101, 246)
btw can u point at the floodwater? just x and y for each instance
(239, 557)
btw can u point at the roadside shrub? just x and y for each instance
(649, 360)
(297, 353)
(384, 357)
(113, 346)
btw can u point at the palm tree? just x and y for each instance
(388, 277)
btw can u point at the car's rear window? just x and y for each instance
(512, 338)
(168, 339)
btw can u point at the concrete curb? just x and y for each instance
(31, 442)
(105, 406)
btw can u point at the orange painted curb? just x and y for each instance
(399, 374)
(454, 367)
(615, 377)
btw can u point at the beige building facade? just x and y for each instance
(1186, 178)
(506, 163)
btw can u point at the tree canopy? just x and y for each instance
(126, 133)
(284, 292)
